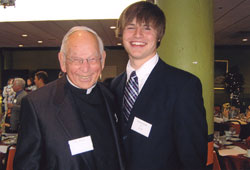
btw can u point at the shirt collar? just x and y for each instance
(89, 90)
(17, 93)
(145, 69)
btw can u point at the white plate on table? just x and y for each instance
(228, 143)
(230, 147)
(235, 139)
(246, 155)
(236, 135)
(9, 141)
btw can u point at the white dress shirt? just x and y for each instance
(143, 72)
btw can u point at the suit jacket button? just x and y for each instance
(124, 137)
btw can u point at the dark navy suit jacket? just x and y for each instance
(171, 101)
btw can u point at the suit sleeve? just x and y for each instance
(17, 106)
(28, 153)
(191, 127)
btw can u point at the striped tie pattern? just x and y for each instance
(130, 94)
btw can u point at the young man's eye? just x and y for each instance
(130, 27)
(147, 27)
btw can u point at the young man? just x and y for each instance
(41, 78)
(70, 124)
(163, 121)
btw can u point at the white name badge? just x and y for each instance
(81, 145)
(141, 127)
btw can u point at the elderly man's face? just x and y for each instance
(82, 45)
(16, 87)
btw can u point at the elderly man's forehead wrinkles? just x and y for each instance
(74, 54)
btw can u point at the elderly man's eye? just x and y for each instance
(79, 60)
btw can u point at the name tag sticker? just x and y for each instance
(141, 127)
(81, 145)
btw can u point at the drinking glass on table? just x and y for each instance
(232, 130)
(228, 134)
(223, 140)
(216, 136)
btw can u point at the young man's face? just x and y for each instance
(140, 41)
(36, 81)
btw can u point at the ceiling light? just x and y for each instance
(5, 3)
(112, 27)
(20, 45)
(24, 35)
(40, 42)
(195, 62)
(244, 39)
(119, 44)
(81, 10)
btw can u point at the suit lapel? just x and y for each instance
(120, 89)
(69, 118)
(146, 93)
(20, 96)
(109, 102)
(120, 94)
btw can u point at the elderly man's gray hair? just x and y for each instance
(80, 28)
(20, 82)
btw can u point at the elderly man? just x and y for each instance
(70, 124)
(18, 87)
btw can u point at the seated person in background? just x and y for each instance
(225, 111)
(233, 112)
(18, 87)
(217, 110)
(30, 85)
(41, 78)
(8, 97)
(248, 113)
(8, 94)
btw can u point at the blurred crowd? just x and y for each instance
(226, 111)
(12, 94)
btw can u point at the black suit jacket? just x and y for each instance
(171, 100)
(48, 121)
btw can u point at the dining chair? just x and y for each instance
(10, 157)
(234, 124)
(210, 149)
(216, 165)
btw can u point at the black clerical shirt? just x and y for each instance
(93, 113)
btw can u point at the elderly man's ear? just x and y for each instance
(62, 61)
(103, 58)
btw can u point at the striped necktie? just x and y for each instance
(130, 94)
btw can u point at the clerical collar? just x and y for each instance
(89, 90)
